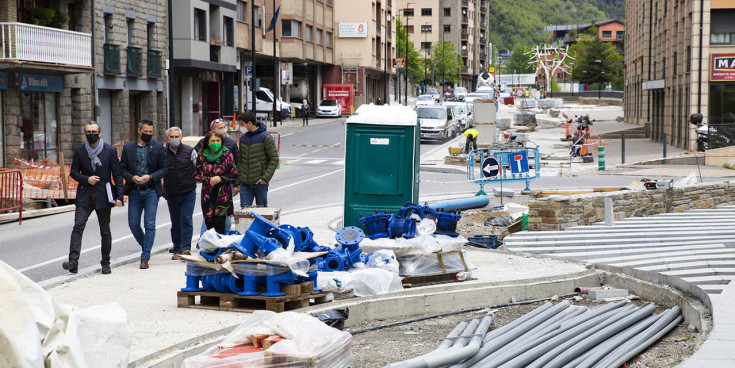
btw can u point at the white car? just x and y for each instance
(461, 113)
(460, 93)
(425, 100)
(471, 97)
(436, 122)
(329, 109)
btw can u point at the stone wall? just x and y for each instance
(559, 212)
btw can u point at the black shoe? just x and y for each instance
(106, 270)
(70, 266)
(172, 250)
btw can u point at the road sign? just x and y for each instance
(519, 162)
(247, 71)
(490, 167)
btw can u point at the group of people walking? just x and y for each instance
(152, 170)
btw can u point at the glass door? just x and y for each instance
(39, 126)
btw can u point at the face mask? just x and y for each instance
(243, 129)
(214, 147)
(174, 142)
(223, 131)
(146, 137)
(93, 138)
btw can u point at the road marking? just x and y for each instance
(286, 135)
(314, 161)
(340, 162)
(336, 145)
(305, 180)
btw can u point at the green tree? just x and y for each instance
(415, 59)
(597, 62)
(520, 62)
(445, 63)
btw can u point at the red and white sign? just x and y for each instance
(353, 30)
(723, 67)
(343, 93)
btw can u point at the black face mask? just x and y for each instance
(93, 138)
(146, 137)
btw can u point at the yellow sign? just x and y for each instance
(491, 69)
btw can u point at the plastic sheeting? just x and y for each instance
(360, 282)
(421, 245)
(36, 331)
(434, 264)
(309, 343)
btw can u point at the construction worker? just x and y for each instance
(471, 135)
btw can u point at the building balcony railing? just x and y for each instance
(464, 52)
(465, 36)
(135, 61)
(154, 64)
(465, 19)
(465, 3)
(27, 42)
(483, 9)
(482, 55)
(112, 58)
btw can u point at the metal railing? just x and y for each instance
(135, 60)
(154, 63)
(11, 192)
(112, 58)
(27, 42)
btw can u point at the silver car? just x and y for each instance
(461, 113)
(436, 122)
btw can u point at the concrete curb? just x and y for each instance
(13, 217)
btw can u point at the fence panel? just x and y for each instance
(11, 192)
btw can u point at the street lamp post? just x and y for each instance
(599, 80)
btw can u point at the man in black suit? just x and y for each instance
(143, 166)
(94, 166)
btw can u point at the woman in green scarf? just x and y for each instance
(216, 171)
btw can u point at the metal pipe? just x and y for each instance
(533, 354)
(571, 349)
(500, 341)
(461, 204)
(623, 350)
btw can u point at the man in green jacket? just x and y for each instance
(257, 162)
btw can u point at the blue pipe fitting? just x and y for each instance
(307, 242)
(402, 227)
(282, 235)
(410, 208)
(334, 261)
(349, 235)
(376, 225)
(211, 256)
(260, 226)
(249, 285)
(192, 282)
(446, 224)
(274, 282)
(259, 245)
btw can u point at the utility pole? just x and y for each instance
(252, 53)
(405, 76)
(426, 53)
(385, 69)
(276, 82)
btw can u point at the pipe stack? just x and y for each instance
(559, 335)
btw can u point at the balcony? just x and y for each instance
(465, 3)
(135, 61)
(26, 42)
(464, 52)
(154, 64)
(112, 58)
(483, 9)
(465, 19)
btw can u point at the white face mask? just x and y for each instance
(243, 129)
(174, 142)
(223, 131)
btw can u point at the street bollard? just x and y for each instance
(622, 148)
(601, 158)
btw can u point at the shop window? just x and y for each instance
(39, 126)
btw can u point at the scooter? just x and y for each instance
(702, 131)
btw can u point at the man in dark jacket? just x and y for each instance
(95, 166)
(143, 166)
(220, 125)
(257, 163)
(179, 189)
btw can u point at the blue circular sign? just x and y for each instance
(490, 167)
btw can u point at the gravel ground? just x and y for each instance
(381, 347)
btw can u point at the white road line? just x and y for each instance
(315, 151)
(305, 181)
(301, 155)
(340, 162)
(314, 161)
(286, 135)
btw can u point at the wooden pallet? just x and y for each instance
(297, 296)
(442, 278)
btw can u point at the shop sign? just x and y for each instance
(353, 30)
(3, 80)
(40, 83)
(723, 67)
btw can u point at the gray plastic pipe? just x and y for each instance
(512, 334)
(602, 350)
(571, 349)
(623, 350)
(531, 355)
(467, 345)
(449, 340)
(645, 344)
(501, 330)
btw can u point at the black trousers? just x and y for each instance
(216, 222)
(305, 119)
(81, 215)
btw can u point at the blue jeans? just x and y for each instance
(250, 191)
(228, 225)
(181, 209)
(140, 201)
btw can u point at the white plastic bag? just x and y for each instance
(210, 241)
(425, 227)
(364, 282)
(384, 259)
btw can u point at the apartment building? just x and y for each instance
(365, 49)
(45, 78)
(203, 62)
(610, 31)
(674, 70)
(462, 22)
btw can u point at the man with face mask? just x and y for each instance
(95, 166)
(143, 166)
(179, 189)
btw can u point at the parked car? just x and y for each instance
(460, 93)
(329, 109)
(470, 100)
(461, 113)
(425, 100)
(436, 122)
(433, 92)
(264, 105)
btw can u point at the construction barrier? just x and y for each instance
(46, 179)
(11, 192)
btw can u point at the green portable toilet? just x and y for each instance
(381, 161)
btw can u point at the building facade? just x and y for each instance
(364, 49)
(45, 79)
(462, 22)
(611, 31)
(674, 70)
(203, 62)
(131, 45)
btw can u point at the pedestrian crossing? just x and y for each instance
(320, 145)
(312, 161)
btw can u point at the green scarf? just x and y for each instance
(207, 153)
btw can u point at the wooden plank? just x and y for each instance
(249, 303)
